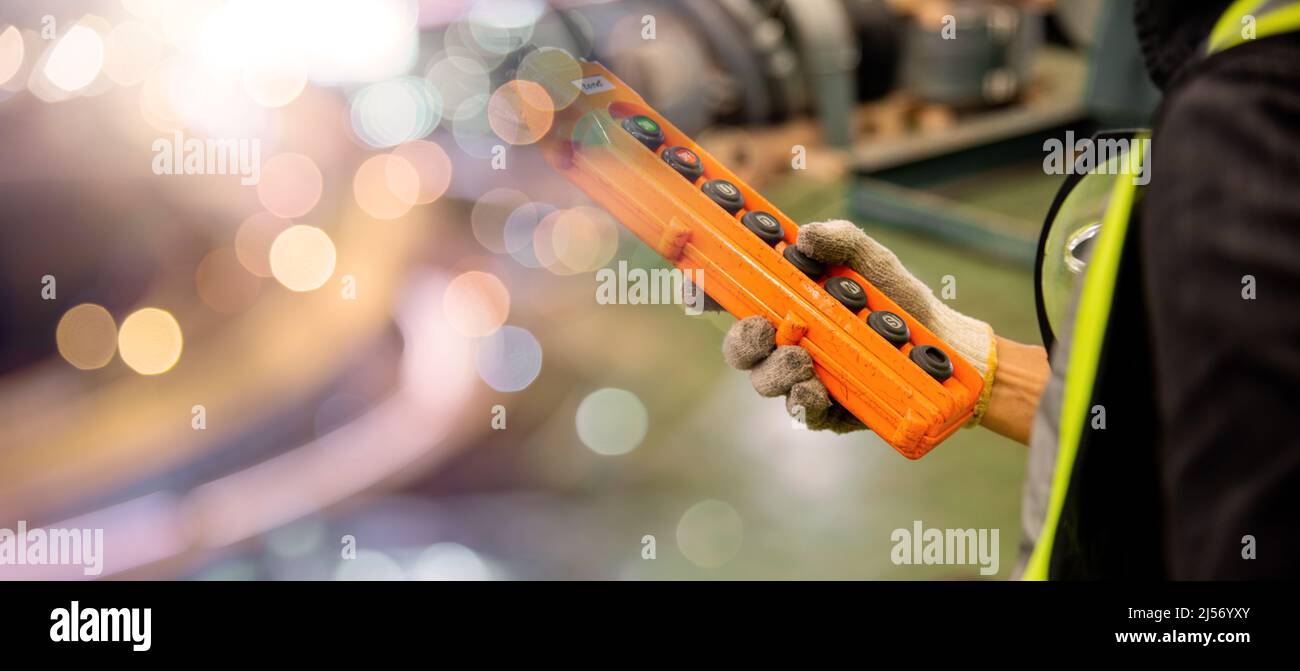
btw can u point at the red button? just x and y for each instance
(684, 161)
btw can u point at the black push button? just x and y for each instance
(808, 265)
(932, 360)
(847, 292)
(890, 326)
(764, 225)
(684, 161)
(724, 193)
(645, 129)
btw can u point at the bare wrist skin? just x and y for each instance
(1018, 382)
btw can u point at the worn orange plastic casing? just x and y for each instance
(873, 379)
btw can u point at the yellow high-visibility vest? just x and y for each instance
(1244, 20)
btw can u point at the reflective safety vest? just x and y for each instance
(1103, 511)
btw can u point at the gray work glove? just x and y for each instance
(788, 370)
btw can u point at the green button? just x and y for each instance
(647, 124)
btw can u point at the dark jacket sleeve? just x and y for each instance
(1221, 261)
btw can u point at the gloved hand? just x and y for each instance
(788, 370)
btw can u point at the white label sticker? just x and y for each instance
(593, 84)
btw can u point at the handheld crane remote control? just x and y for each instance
(877, 361)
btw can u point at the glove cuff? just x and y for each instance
(982, 405)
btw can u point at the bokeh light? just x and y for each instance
(612, 421)
(509, 359)
(75, 60)
(449, 561)
(459, 40)
(290, 185)
(146, 9)
(11, 53)
(438, 367)
(369, 565)
(86, 336)
(386, 186)
(302, 258)
(520, 112)
(542, 248)
(469, 127)
(224, 284)
(253, 241)
(671, 67)
(489, 216)
(476, 304)
(584, 239)
(132, 51)
(458, 77)
(433, 166)
(395, 111)
(555, 71)
(183, 22)
(502, 26)
(710, 533)
(208, 101)
(335, 41)
(155, 100)
(438, 13)
(150, 341)
(521, 233)
(575, 240)
(276, 81)
(357, 40)
(231, 36)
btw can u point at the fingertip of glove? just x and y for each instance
(781, 370)
(828, 241)
(748, 341)
(810, 396)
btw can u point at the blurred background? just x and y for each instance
(391, 342)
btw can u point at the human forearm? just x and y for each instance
(1018, 380)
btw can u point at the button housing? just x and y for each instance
(684, 161)
(764, 225)
(806, 264)
(646, 130)
(850, 294)
(932, 360)
(890, 326)
(725, 194)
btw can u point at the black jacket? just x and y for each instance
(1196, 472)
(1222, 215)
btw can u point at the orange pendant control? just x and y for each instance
(877, 361)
